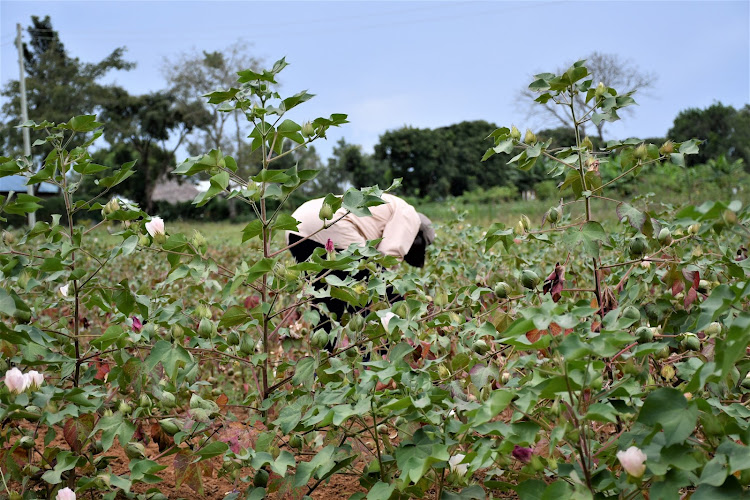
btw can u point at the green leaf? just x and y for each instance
(285, 222)
(532, 489)
(235, 315)
(23, 204)
(381, 491)
(213, 449)
(733, 348)
(589, 237)
(220, 96)
(171, 356)
(84, 123)
(715, 471)
(65, 462)
(111, 427)
(496, 403)
(635, 217)
(304, 371)
(667, 409)
(7, 304)
(730, 490)
(253, 229)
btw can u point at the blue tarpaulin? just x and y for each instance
(17, 183)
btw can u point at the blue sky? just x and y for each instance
(423, 64)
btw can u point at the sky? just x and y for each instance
(390, 64)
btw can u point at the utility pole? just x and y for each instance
(24, 114)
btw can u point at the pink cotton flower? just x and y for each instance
(329, 245)
(155, 226)
(633, 460)
(522, 454)
(16, 381)
(34, 379)
(137, 325)
(66, 494)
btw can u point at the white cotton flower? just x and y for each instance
(66, 494)
(34, 379)
(633, 460)
(64, 289)
(155, 226)
(456, 466)
(387, 319)
(16, 381)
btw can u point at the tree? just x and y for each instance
(195, 74)
(447, 160)
(58, 86)
(146, 123)
(610, 69)
(348, 165)
(725, 130)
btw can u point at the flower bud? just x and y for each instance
(713, 329)
(203, 311)
(198, 239)
(730, 217)
(554, 214)
(600, 90)
(9, 238)
(586, 143)
(135, 451)
(526, 222)
(307, 130)
(641, 152)
(529, 137)
(518, 228)
(145, 401)
(124, 408)
(665, 237)
(326, 212)
(144, 241)
(112, 206)
(693, 229)
(515, 134)
(667, 372)
(666, 148)
(177, 332)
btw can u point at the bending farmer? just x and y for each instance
(405, 234)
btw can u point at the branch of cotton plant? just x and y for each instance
(325, 226)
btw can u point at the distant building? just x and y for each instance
(173, 192)
(17, 184)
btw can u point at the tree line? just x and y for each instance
(433, 163)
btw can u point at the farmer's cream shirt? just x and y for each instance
(395, 221)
